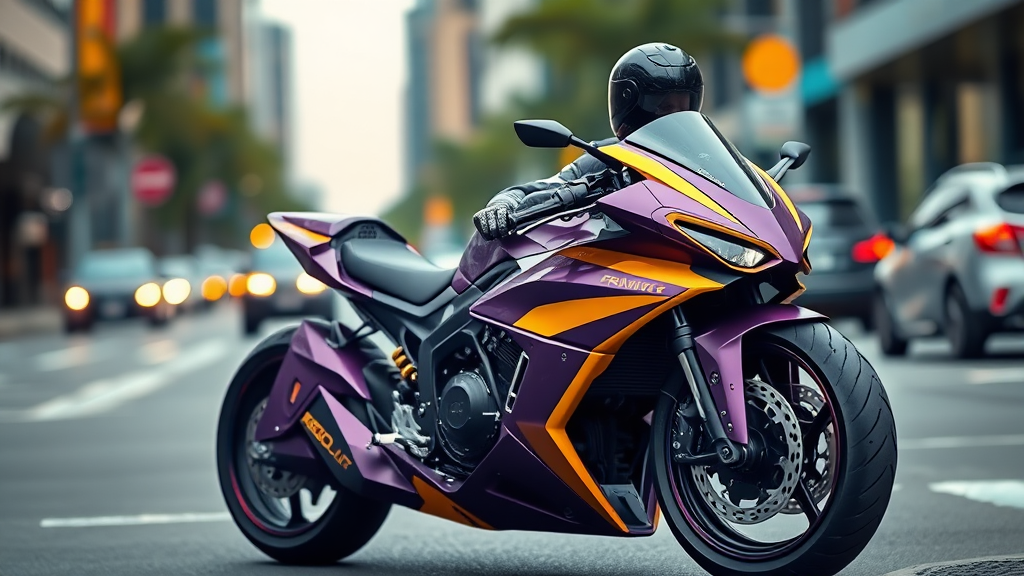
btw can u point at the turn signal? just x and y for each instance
(148, 295)
(873, 249)
(309, 285)
(76, 298)
(214, 288)
(176, 291)
(236, 285)
(261, 284)
(1001, 238)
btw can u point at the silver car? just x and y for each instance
(958, 266)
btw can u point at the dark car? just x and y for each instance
(844, 248)
(958, 268)
(277, 286)
(110, 284)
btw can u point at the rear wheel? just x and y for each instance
(293, 518)
(823, 459)
(964, 327)
(889, 338)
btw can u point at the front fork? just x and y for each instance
(722, 448)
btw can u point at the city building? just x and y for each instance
(34, 54)
(271, 75)
(443, 100)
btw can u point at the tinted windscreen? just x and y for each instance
(692, 141)
(276, 257)
(1012, 199)
(833, 214)
(107, 265)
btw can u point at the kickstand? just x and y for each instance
(338, 339)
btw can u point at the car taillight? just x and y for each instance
(873, 249)
(1000, 238)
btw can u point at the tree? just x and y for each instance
(580, 41)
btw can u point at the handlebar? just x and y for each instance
(564, 198)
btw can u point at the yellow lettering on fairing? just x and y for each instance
(632, 284)
(326, 440)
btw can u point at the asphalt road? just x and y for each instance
(121, 423)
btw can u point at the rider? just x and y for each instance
(648, 82)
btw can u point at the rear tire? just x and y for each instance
(964, 327)
(864, 474)
(349, 522)
(889, 339)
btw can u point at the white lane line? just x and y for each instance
(1009, 493)
(71, 357)
(109, 393)
(139, 520)
(159, 351)
(982, 376)
(960, 442)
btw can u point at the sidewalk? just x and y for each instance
(17, 322)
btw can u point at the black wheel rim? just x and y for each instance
(283, 515)
(782, 367)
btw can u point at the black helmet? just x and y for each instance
(651, 81)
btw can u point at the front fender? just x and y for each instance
(720, 351)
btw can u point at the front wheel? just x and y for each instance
(293, 518)
(821, 464)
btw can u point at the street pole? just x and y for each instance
(80, 220)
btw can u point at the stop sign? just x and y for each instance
(153, 180)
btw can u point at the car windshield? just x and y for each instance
(180, 267)
(833, 214)
(692, 141)
(275, 257)
(116, 264)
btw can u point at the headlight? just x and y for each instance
(176, 290)
(736, 254)
(76, 298)
(309, 285)
(148, 295)
(214, 288)
(260, 284)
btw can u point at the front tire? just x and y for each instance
(859, 429)
(349, 520)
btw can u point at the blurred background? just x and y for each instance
(176, 125)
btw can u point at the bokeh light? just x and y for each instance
(176, 290)
(262, 236)
(309, 285)
(214, 288)
(76, 298)
(261, 284)
(148, 295)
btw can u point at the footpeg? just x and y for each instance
(398, 439)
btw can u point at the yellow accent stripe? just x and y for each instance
(666, 271)
(782, 194)
(553, 446)
(555, 318)
(655, 170)
(437, 504)
(295, 231)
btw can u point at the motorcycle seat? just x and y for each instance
(394, 269)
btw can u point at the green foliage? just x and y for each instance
(579, 41)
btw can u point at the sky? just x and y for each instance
(349, 84)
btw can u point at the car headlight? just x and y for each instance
(76, 298)
(260, 284)
(735, 254)
(148, 295)
(176, 291)
(309, 285)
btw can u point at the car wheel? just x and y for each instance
(251, 325)
(891, 342)
(964, 327)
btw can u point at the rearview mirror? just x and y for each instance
(543, 133)
(795, 151)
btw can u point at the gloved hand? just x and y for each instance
(494, 221)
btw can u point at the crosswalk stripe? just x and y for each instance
(1008, 493)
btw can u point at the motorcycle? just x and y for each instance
(630, 353)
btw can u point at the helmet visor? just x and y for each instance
(664, 103)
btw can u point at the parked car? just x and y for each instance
(111, 284)
(844, 248)
(958, 266)
(277, 286)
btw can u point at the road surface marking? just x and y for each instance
(982, 376)
(109, 393)
(159, 351)
(960, 442)
(1009, 493)
(190, 517)
(71, 357)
